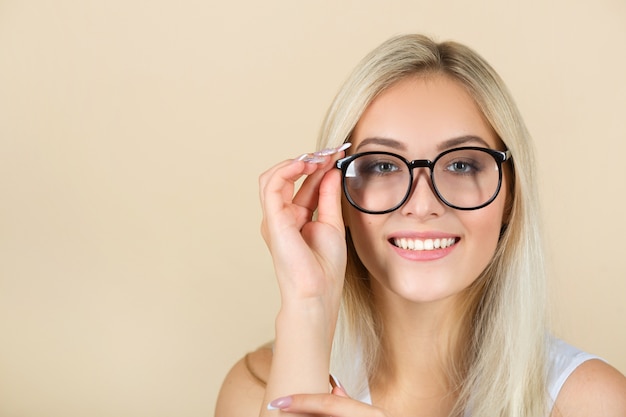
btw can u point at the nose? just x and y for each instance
(423, 201)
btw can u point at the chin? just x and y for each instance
(426, 290)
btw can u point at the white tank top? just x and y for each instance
(564, 359)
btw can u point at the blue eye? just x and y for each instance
(385, 167)
(379, 167)
(462, 167)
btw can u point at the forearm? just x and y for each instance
(301, 358)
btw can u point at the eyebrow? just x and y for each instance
(461, 141)
(390, 143)
(446, 144)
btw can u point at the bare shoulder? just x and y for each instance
(595, 388)
(243, 388)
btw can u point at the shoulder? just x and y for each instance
(594, 389)
(243, 388)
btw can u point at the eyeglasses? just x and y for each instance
(465, 178)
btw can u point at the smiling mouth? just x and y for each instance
(423, 244)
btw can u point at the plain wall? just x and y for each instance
(132, 134)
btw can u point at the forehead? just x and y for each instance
(423, 112)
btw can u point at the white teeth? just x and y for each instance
(426, 244)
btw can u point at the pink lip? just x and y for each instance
(423, 255)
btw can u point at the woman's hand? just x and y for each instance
(309, 258)
(309, 255)
(336, 404)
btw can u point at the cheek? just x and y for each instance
(487, 225)
(488, 231)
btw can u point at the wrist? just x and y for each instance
(308, 322)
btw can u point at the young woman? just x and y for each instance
(410, 267)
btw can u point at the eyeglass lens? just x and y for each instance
(464, 178)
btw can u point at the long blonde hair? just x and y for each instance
(503, 368)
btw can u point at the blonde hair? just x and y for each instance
(503, 370)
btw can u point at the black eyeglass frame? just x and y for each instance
(499, 156)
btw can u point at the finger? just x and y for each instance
(325, 193)
(308, 194)
(311, 160)
(324, 404)
(277, 185)
(277, 194)
(268, 175)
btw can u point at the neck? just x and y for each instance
(421, 344)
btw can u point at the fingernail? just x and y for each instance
(344, 147)
(320, 156)
(325, 152)
(332, 151)
(311, 158)
(279, 403)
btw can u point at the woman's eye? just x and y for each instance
(371, 166)
(461, 167)
(382, 167)
(385, 167)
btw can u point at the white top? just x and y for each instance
(564, 359)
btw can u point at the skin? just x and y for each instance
(419, 118)
(418, 298)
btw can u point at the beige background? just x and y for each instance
(132, 133)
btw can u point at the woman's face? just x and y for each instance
(418, 118)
